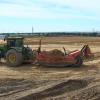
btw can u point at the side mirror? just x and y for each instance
(4, 39)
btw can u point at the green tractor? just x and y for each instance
(15, 52)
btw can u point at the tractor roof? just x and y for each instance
(19, 37)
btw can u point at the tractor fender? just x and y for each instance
(16, 49)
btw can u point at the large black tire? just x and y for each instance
(79, 61)
(13, 58)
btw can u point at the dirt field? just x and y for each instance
(31, 82)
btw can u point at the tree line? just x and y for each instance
(47, 34)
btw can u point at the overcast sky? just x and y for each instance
(49, 15)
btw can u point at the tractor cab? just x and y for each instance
(14, 42)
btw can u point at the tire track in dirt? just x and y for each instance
(50, 90)
(90, 92)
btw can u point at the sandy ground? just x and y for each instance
(33, 82)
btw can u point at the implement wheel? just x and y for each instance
(79, 61)
(13, 58)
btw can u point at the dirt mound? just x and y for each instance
(58, 89)
(55, 52)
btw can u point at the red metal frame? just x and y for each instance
(64, 60)
(67, 59)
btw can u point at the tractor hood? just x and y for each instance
(3, 45)
(3, 48)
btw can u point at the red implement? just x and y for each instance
(74, 58)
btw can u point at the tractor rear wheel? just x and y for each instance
(79, 61)
(13, 58)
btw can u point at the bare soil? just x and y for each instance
(34, 82)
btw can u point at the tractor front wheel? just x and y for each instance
(13, 58)
(79, 61)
